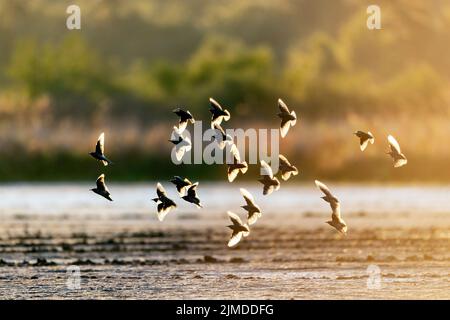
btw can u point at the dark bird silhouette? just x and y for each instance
(164, 203)
(221, 137)
(286, 168)
(270, 182)
(218, 113)
(102, 189)
(239, 229)
(336, 221)
(181, 184)
(364, 139)
(99, 152)
(236, 165)
(191, 195)
(396, 154)
(253, 210)
(288, 118)
(185, 117)
(182, 144)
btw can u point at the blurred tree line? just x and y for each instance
(135, 61)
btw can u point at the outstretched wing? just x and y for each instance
(192, 190)
(294, 115)
(253, 217)
(214, 105)
(182, 124)
(363, 142)
(100, 147)
(282, 106)
(395, 147)
(182, 147)
(234, 218)
(284, 127)
(160, 191)
(283, 160)
(163, 210)
(268, 189)
(235, 238)
(266, 170)
(400, 162)
(371, 137)
(232, 173)
(247, 197)
(176, 133)
(322, 187)
(234, 151)
(287, 174)
(101, 183)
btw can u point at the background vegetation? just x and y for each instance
(134, 61)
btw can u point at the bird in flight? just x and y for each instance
(288, 118)
(191, 195)
(182, 144)
(336, 221)
(364, 138)
(253, 210)
(181, 184)
(239, 229)
(396, 153)
(286, 168)
(99, 152)
(221, 137)
(218, 113)
(185, 117)
(101, 188)
(164, 203)
(237, 165)
(270, 182)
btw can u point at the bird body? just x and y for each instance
(221, 137)
(164, 204)
(99, 152)
(288, 118)
(253, 210)
(191, 195)
(101, 188)
(218, 113)
(270, 182)
(235, 168)
(396, 153)
(237, 165)
(364, 139)
(239, 229)
(182, 144)
(185, 117)
(181, 184)
(286, 168)
(336, 221)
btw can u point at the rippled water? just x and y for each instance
(123, 251)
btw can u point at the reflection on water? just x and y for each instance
(217, 197)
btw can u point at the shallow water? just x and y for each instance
(124, 252)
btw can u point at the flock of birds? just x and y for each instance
(188, 190)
